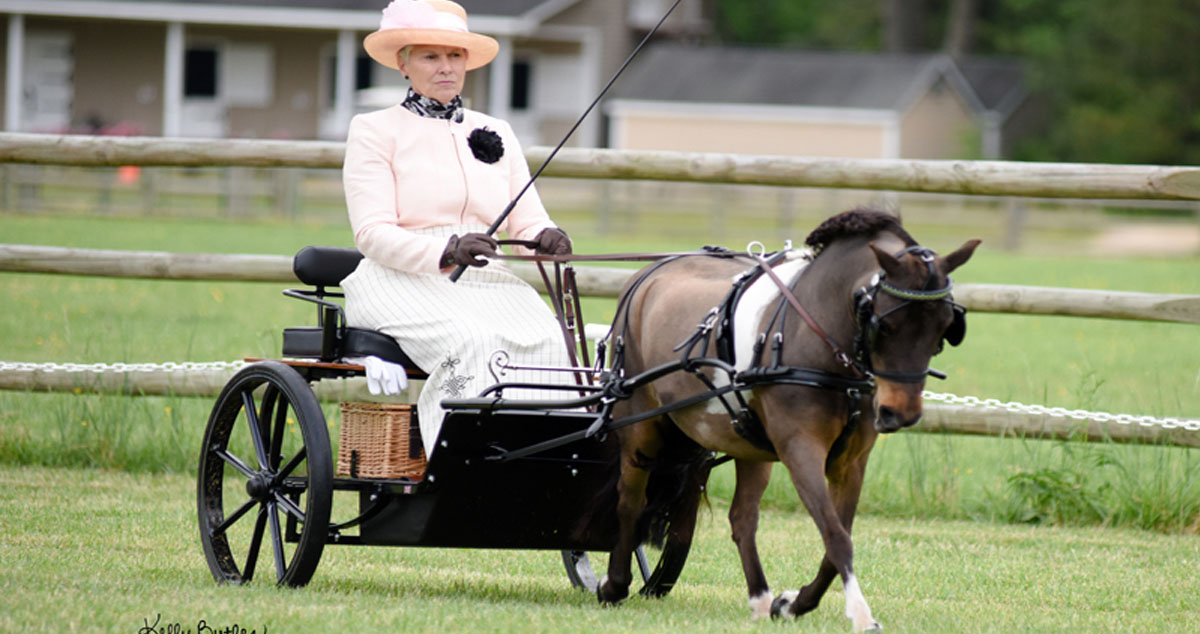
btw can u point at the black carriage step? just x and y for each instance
(308, 343)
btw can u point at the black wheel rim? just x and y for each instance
(265, 478)
(658, 576)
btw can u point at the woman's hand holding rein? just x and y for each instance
(467, 249)
(553, 241)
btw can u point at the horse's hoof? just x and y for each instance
(779, 607)
(607, 596)
(873, 627)
(760, 606)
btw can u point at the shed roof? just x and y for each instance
(999, 82)
(780, 76)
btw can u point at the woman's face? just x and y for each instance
(437, 72)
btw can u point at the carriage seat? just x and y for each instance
(332, 340)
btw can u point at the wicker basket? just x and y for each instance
(381, 441)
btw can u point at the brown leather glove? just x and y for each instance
(553, 241)
(468, 248)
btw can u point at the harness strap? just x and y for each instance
(720, 318)
(808, 377)
(790, 298)
(601, 257)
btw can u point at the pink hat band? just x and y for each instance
(418, 15)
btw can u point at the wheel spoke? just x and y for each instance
(643, 563)
(289, 507)
(235, 462)
(256, 435)
(276, 541)
(255, 543)
(237, 515)
(291, 465)
(281, 408)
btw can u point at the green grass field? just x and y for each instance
(89, 550)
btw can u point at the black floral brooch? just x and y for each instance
(485, 145)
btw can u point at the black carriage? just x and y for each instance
(505, 474)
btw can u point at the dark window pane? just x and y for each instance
(521, 72)
(200, 72)
(363, 72)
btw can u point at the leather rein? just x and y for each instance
(615, 386)
(565, 298)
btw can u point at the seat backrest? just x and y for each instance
(325, 266)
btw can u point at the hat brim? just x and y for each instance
(383, 45)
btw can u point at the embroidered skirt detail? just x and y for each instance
(451, 329)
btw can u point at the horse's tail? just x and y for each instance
(678, 476)
(677, 487)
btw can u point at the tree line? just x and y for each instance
(1121, 78)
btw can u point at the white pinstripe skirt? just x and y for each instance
(451, 329)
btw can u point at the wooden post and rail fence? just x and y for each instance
(992, 178)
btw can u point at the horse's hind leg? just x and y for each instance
(752, 479)
(640, 444)
(806, 462)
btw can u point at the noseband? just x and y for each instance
(869, 321)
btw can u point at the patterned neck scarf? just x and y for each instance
(432, 108)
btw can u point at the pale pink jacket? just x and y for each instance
(404, 172)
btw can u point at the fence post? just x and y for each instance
(28, 187)
(149, 177)
(604, 208)
(105, 179)
(722, 200)
(287, 180)
(235, 192)
(787, 210)
(1017, 213)
(1196, 210)
(9, 191)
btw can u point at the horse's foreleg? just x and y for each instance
(752, 479)
(807, 467)
(845, 479)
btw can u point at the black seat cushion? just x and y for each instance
(305, 343)
(325, 266)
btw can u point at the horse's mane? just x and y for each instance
(856, 222)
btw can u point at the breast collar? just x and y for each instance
(717, 328)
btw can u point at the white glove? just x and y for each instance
(595, 332)
(382, 376)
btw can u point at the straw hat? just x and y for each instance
(429, 22)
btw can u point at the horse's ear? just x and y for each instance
(889, 264)
(960, 257)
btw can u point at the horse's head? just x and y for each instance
(905, 314)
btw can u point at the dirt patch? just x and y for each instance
(1149, 239)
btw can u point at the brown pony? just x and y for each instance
(871, 307)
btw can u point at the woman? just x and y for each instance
(424, 179)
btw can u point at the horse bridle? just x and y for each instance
(869, 321)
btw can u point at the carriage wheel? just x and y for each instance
(657, 582)
(266, 474)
